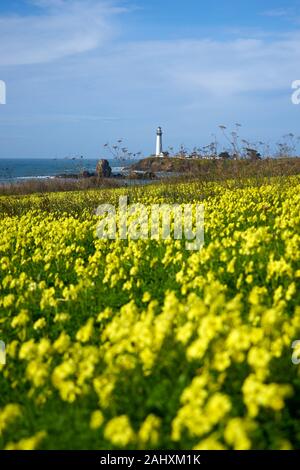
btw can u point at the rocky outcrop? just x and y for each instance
(103, 169)
(167, 164)
(144, 175)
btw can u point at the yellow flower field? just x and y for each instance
(140, 344)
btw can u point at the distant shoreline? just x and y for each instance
(158, 170)
(17, 170)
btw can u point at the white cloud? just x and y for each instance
(204, 67)
(277, 12)
(61, 28)
(55, 118)
(128, 88)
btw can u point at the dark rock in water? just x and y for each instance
(103, 169)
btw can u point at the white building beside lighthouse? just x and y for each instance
(159, 150)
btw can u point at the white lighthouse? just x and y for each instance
(159, 151)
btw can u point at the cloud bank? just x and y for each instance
(72, 73)
(59, 28)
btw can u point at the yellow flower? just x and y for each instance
(62, 343)
(236, 433)
(85, 332)
(96, 420)
(211, 443)
(119, 431)
(28, 443)
(146, 297)
(8, 415)
(21, 319)
(148, 434)
(39, 324)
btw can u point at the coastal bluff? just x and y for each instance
(165, 164)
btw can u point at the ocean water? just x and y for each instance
(31, 168)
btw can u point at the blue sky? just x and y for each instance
(81, 73)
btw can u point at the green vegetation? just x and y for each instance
(141, 343)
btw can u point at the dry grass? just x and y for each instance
(57, 185)
(220, 170)
(189, 170)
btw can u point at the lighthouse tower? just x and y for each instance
(159, 151)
